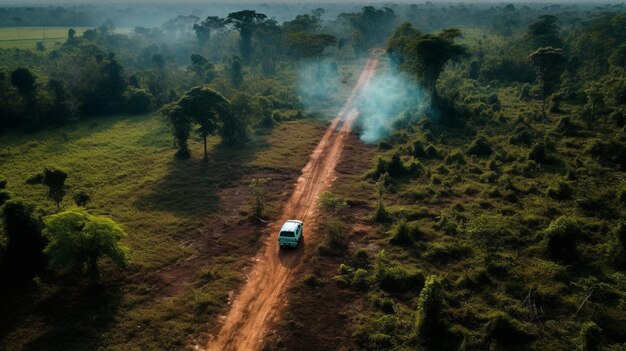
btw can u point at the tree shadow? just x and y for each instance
(76, 317)
(191, 187)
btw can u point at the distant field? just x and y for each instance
(27, 37)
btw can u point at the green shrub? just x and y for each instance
(566, 127)
(81, 198)
(446, 252)
(506, 331)
(381, 215)
(561, 191)
(590, 337)
(480, 147)
(455, 157)
(331, 201)
(4, 197)
(612, 152)
(562, 236)
(429, 321)
(139, 101)
(431, 151)
(311, 280)
(538, 153)
(403, 234)
(619, 246)
(334, 239)
(361, 279)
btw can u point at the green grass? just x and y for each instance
(127, 165)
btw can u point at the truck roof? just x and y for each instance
(290, 225)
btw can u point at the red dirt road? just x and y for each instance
(256, 304)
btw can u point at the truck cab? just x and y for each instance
(290, 233)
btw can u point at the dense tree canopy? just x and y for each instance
(77, 240)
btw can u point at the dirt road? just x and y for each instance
(251, 311)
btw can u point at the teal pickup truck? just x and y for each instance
(290, 233)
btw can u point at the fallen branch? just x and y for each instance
(584, 301)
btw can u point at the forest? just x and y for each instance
(478, 201)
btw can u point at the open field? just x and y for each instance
(27, 37)
(175, 212)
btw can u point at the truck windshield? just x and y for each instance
(287, 234)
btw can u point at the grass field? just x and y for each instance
(27, 37)
(172, 211)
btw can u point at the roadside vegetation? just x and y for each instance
(494, 219)
(139, 169)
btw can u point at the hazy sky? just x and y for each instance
(99, 2)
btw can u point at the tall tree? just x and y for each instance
(202, 106)
(425, 56)
(24, 251)
(245, 23)
(54, 178)
(545, 32)
(618, 58)
(77, 240)
(549, 64)
(205, 29)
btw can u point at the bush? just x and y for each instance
(562, 236)
(429, 321)
(561, 191)
(330, 200)
(612, 152)
(361, 279)
(139, 101)
(4, 197)
(398, 279)
(443, 253)
(81, 198)
(402, 235)
(381, 215)
(334, 239)
(538, 153)
(480, 147)
(590, 335)
(619, 246)
(506, 331)
(455, 157)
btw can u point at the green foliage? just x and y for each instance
(480, 147)
(139, 101)
(77, 240)
(4, 197)
(81, 198)
(404, 234)
(619, 246)
(545, 32)
(430, 308)
(54, 178)
(257, 186)
(538, 153)
(23, 80)
(506, 331)
(330, 200)
(590, 336)
(561, 191)
(425, 56)
(562, 237)
(334, 239)
(549, 63)
(22, 225)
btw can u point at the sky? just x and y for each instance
(99, 2)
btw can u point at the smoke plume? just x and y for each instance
(389, 98)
